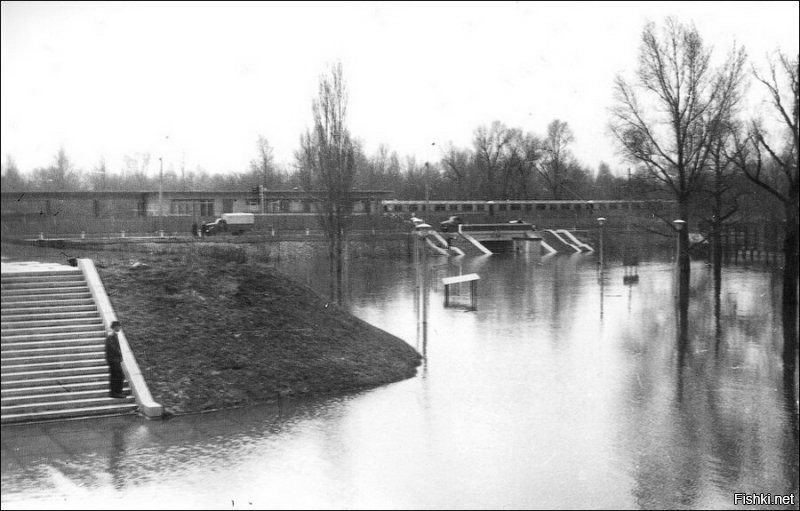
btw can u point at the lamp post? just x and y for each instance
(601, 221)
(161, 193)
(682, 287)
(427, 191)
(422, 231)
(679, 226)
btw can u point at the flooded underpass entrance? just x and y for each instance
(567, 388)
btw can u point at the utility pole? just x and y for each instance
(602, 262)
(161, 193)
(427, 192)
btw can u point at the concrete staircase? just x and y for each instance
(561, 245)
(462, 241)
(53, 357)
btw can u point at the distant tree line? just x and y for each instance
(501, 163)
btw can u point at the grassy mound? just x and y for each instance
(216, 334)
(212, 332)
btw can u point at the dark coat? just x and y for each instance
(113, 352)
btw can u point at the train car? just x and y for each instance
(545, 213)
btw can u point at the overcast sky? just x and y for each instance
(198, 82)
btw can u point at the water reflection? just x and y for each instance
(562, 390)
(116, 457)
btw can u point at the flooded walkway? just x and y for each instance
(565, 389)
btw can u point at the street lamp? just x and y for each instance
(679, 226)
(421, 232)
(602, 222)
(161, 194)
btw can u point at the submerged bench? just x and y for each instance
(472, 278)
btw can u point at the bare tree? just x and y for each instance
(263, 165)
(12, 180)
(523, 153)
(61, 175)
(556, 156)
(771, 163)
(721, 194)
(456, 165)
(489, 147)
(99, 177)
(328, 155)
(605, 184)
(665, 119)
(135, 172)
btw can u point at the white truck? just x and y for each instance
(234, 223)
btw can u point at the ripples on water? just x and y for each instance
(563, 390)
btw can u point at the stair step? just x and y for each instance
(47, 311)
(9, 278)
(60, 405)
(56, 396)
(69, 413)
(65, 327)
(23, 352)
(53, 343)
(54, 336)
(19, 358)
(34, 315)
(41, 284)
(63, 323)
(15, 367)
(62, 270)
(59, 302)
(15, 377)
(60, 297)
(98, 385)
(43, 291)
(49, 378)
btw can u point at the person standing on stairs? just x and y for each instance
(114, 359)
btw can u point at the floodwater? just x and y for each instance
(565, 389)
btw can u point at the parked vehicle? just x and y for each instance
(234, 223)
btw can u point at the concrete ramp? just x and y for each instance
(450, 250)
(436, 248)
(558, 242)
(575, 241)
(546, 246)
(477, 244)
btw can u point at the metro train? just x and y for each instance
(517, 206)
